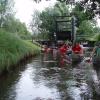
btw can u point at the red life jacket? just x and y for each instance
(77, 49)
(62, 50)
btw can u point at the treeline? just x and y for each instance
(9, 23)
(44, 21)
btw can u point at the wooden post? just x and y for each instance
(73, 32)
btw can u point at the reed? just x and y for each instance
(13, 49)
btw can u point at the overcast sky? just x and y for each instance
(25, 8)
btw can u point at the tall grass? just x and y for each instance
(13, 49)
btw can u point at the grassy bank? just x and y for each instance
(13, 49)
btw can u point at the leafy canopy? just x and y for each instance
(92, 6)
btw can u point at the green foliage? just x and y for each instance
(13, 25)
(96, 37)
(5, 10)
(90, 6)
(48, 22)
(13, 49)
(84, 12)
(86, 27)
(81, 14)
(46, 19)
(89, 31)
(8, 21)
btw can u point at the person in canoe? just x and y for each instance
(64, 58)
(77, 51)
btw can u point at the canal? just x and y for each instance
(41, 78)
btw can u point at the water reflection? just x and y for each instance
(42, 79)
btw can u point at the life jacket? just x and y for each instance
(62, 50)
(77, 49)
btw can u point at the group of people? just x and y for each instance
(64, 50)
(66, 53)
(70, 52)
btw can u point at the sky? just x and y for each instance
(25, 8)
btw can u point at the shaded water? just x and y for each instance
(42, 79)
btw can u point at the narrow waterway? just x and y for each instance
(41, 78)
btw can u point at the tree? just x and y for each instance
(35, 23)
(91, 6)
(46, 19)
(8, 21)
(13, 25)
(84, 15)
(5, 10)
(89, 31)
(86, 28)
(81, 14)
